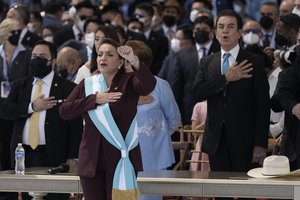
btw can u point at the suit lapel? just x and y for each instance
(216, 64)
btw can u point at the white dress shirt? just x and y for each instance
(47, 81)
(233, 55)
(277, 119)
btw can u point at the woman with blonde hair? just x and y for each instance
(14, 64)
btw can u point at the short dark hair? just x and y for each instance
(91, 19)
(231, 13)
(84, 4)
(204, 20)
(271, 3)
(147, 7)
(52, 48)
(187, 31)
(206, 3)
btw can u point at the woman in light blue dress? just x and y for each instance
(158, 117)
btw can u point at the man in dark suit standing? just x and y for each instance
(84, 10)
(235, 85)
(21, 14)
(187, 63)
(33, 104)
(157, 42)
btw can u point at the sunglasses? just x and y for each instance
(257, 31)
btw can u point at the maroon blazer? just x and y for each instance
(94, 147)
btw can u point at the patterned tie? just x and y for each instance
(34, 119)
(266, 41)
(170, 34)
(225, 64)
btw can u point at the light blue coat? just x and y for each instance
(156, 123)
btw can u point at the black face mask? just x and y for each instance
(266, 22)
(280, 39)
(201, 36)
(39, 67)
(169, 20)
(14, 39)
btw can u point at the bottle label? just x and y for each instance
(19, 154)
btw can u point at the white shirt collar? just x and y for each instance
(147, 33)
(47, 79)
(173, 28)
(207, 46)
(275, 72)
(233, 52)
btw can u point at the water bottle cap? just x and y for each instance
(19, 144)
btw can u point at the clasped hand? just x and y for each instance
(107, 97)
(238, 71)
(41, 103)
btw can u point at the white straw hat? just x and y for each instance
(273, 166)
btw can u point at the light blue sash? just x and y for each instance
(124, 177)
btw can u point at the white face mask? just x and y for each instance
(193, 15)
(251, 38)
(49, 38)
(237, 8)
(89, 39)
(296, 11)
(72, 12)
(175, 45)
(30, 27)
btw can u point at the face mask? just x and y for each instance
(237, 8)
(89, 39)
(169, 21)
(280, 40)
(30, 27)
(296, 11)
(201, 36)
(266, 22)
(39, 67)
(250, 38)
(72, 11)
(175, 45)
(14, 39)
(49, 38)
(63, 73)
(193, 15)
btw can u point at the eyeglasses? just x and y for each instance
(257, 31)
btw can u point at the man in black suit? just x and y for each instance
(235, 85)
(84, 10)
(187, 63)
(157, 42)
(21, 14)
(56, 140)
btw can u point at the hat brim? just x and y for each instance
(257, 173)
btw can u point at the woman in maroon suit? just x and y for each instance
(98, 158)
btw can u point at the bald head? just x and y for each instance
(69, 58)
(286, 7)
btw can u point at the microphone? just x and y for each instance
(59, 169)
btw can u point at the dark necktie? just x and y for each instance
(266, 42)
(203, 52)
(80, 35)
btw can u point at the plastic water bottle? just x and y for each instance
(20, 159)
